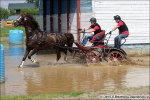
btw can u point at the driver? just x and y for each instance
(123, 31)
(95, 27)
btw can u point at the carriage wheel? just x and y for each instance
(115, 55)
(79, 57)
(94, 57)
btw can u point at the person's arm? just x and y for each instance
(114, 28)
(119, 24)
(90, 31)
(86, 28)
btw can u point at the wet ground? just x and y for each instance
(51, 77)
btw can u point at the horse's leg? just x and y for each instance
(70, 49)
(32, 53)
(58, 53)
(25, 56)
(65, 56)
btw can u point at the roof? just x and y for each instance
(14, 17)
(21, 5)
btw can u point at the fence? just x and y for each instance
(6, 23)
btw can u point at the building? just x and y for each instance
(5, 3)
(69, 15)
(18, 6)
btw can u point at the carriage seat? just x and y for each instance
(98, 39)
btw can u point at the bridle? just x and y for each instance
(21, 19)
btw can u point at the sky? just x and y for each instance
(4, 3)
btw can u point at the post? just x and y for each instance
(68, 16)
(78, 20)
(51, 16)
(2, 64)
(59, 16)
(44, 15)
(2, 23)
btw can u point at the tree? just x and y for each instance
(4, 13)
(12, 12)
(34, 1)
(30, 11)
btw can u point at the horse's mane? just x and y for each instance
(33, 20)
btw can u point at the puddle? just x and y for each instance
(49, 77)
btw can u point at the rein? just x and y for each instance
(58, 45)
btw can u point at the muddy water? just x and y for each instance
(49, 77)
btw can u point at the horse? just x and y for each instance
(34, 37)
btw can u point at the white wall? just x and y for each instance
(55, 22)
(135, 13)
(41, 22)
(84, 23)
(73, 24)
(48, 23)
(64, 23)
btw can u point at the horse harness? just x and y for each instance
(44, 35)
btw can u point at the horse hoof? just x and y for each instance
(20, 66)
(37, 62)
(19, 69)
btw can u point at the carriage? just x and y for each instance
(100, 50)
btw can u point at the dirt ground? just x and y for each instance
(141, 91)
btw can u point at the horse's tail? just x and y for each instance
(70, 40)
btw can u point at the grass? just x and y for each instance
(123, 89)
(42, 96)
(67, 95)
(75, 93)
(134, 88)
(4, 32)
(4, 41)
(24, 97)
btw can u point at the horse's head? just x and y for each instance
(26, 20)
(20, 21)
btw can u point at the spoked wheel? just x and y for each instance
(115, 56)
(94, 57)
(79, 57)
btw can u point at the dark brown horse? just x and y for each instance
(34, 38)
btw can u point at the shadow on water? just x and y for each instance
(33, 65)
(73, 79)
(12, 54)
(14, 50)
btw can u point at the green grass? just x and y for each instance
(75, 93)
(4, 41)
(42, 96)
(133, 88)
(4, 32)
(63, 95)
(24, 97)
